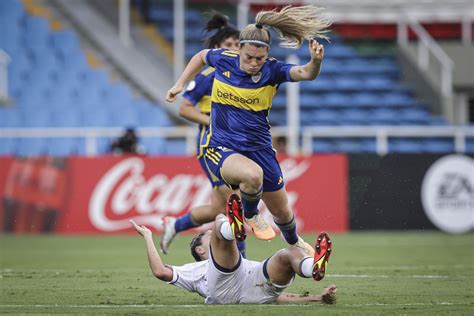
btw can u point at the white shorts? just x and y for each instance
(247, 283)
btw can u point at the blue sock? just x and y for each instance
(185, 222)
(241, 246)
(250, 202)
(289, 231)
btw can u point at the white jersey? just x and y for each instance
(247, 284)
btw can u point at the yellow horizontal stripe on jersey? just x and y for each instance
(230, 54)
(257, 99)
(204, 105)
(206, 72)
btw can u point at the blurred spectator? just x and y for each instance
(126, 144)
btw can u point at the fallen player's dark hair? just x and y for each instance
(196, 242)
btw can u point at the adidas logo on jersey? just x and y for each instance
(226, 73)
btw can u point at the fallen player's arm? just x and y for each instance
(328, 296)
(159, 270)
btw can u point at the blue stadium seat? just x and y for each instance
(10, 117)
(124, 117)
(354, 117)
(68, 117)
(116, 96)
(365, 99)
(8, 146)
(151, 115)
(379, 84)
(175, 147)
(99, 117)
(308, 101)
(355, 145)
(65, 146)
(321, 84)
(437, 145)
(405, 146)
(384, 117)
(279, 101)
(36, 118)
(323, 146)
(36, 33)
(278, 118)
(64, 42)
(31, 147)
(348, 84)
(153, 146)
(335, 100)
(396, 99)
(325, 117)
(414, 116)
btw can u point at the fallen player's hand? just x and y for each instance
(328, 296)
(142, 230)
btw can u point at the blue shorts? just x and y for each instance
(215, 181)
(265, 158)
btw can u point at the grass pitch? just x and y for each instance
(376, 273)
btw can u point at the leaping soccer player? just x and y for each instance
(238, 148)
(198, 93)
(222, 276)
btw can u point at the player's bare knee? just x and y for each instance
(254, 177)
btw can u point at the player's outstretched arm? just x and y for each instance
(189, 112)
(161, 271)
(328, 296)
(191, 70)
(311, 70)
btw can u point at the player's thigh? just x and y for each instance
(277, 204)
(237, 169)
(279, 268)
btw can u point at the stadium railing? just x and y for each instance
(382, 134)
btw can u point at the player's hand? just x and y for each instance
(328, 296)
(316, 50)
(142, 230)
(173, 92)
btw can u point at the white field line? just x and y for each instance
(387, 276)
(204, 305)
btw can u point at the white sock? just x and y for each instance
(306, 267)
(226, 231)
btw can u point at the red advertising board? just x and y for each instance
(103, 193)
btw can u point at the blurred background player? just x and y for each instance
(239, 144)
(222, 276)
(198, 93)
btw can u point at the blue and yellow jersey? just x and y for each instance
(198, 92)
(241, 102)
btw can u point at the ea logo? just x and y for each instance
(447, 193)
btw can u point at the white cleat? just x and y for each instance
(168, 233)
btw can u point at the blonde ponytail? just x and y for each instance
(293, 25)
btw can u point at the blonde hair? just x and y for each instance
(293, 25)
